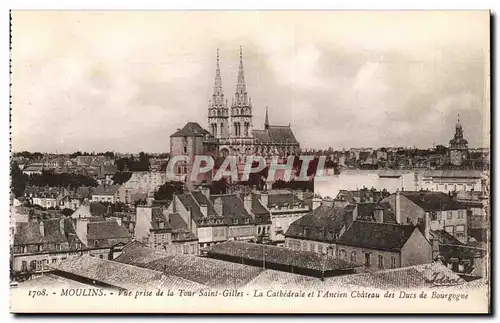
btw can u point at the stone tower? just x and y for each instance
(458, 146)
(218, 113)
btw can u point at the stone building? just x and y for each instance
(458, 146)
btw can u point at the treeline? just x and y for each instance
(133, 164)
(109, 154)
(121, 177)
(61, 180)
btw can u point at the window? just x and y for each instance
(320, 248)
(54, 260)
(96, 243)
(393, 262)
(24, 266)
(343, 254)
(185, 149)
(353, 256)
(185, 249)
(33, 265)
(101, 256)
(408, 221)
(235, 221)
(450, 215)
(311, 247)
(368, 261)
(434, 216)
(460, 214)
(449, 229)
(460, 228)
(380, 261)
(58, 247)
(420, 221)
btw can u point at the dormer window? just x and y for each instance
(162, 225)
(235, 221)
(96, 243)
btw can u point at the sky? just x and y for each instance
(126, 80)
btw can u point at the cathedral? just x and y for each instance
(233, 126)
(458, 146)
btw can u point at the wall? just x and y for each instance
(310, 245)
(283, 220)
(408, 209)
(417, 250)
(387, 257)
(242, 232)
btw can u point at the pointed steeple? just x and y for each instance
(266, 122)
(218, 95)
(241, 88)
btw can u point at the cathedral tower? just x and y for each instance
(218, 113)
(241, 109)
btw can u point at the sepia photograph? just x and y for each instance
(280, 162)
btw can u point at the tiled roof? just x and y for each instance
(257, 207)
(189, 202)
(275, 134)
(283, 198)
(232, 207)
(180, 230)
(444, 237)
(27, 233)
(412, 277)
(321, 224)
(433, 201)
(279, 255)
(122, 275)
(480, 234)
(378, 236)
(191, 129)
(106, 230)
(206, 271)
(203, 200)
(53, 232)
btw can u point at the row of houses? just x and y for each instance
(381, 231)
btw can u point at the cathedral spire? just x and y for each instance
(266, 122)
(218, 96)
(241, 88)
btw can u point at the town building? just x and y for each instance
(285, 207)
(378, 246)
(162, 230)
(451, 180)
(458, 146)
(106, 193)
(44, 196)
(433, 210)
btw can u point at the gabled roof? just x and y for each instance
(232, 208)
(202, 270)
(378, 236)
(321, 224)
(27, 233)
(122, 275)
(203, 200)
(106, 230)
(279, 255)
(191, 129)
(180, 229)
(433, 201)
(275, 134)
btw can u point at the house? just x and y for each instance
(101, 236)
(451, 180)
(285, 207)
(33, 169)
(163, 230)
(45, 196)
(380, 245)
(437, 210)
(37, 244)
(240, 223)
(105, 174)
(106, 193)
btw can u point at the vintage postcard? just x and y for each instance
(250, 162)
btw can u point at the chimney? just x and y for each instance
(190, 219)
(81, 230)
(398, 207)
(204, 209)
(247, 201)
(378, 214)
(61, 226)
(316, 202)
(205, 190)
(42, 228)
(427, 228)
(264, 198)
(218, 206)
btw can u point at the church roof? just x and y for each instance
(191, 129)
(275, 134)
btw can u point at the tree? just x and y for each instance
(121, 177)
(18, 180)
(167, 191)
